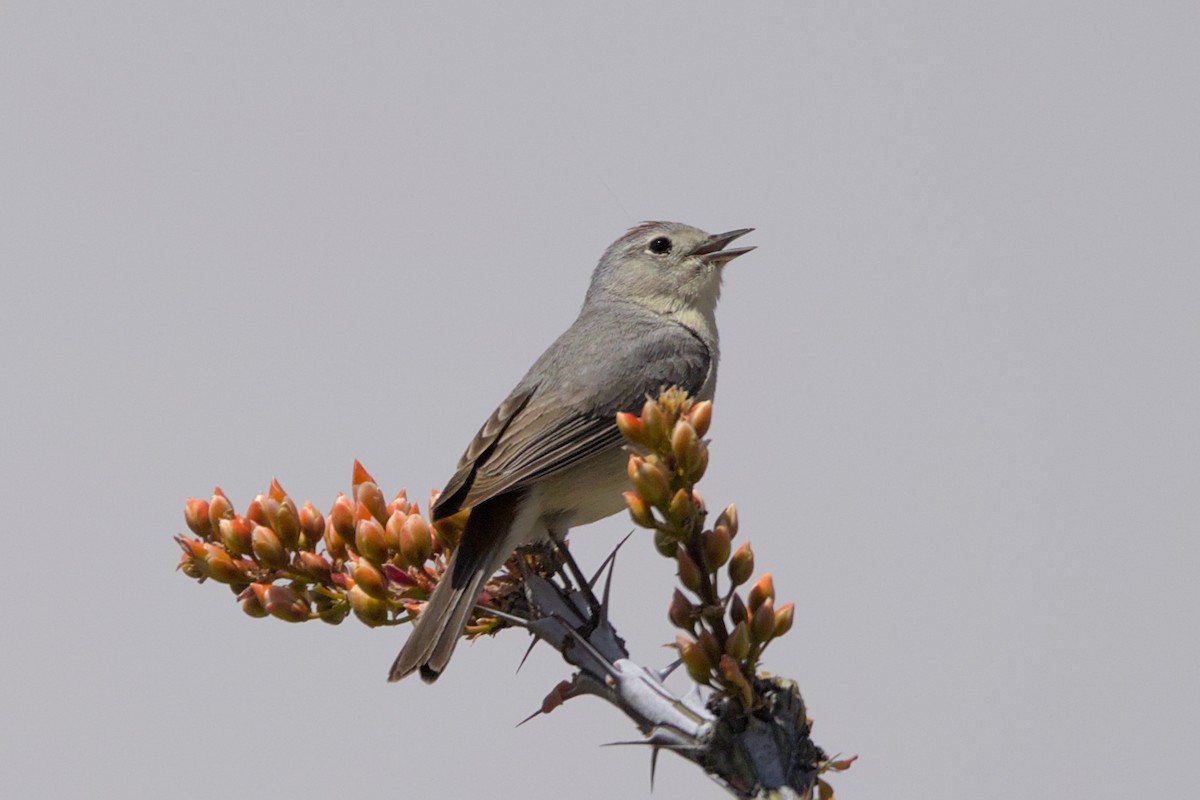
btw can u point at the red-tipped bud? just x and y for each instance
(654, 425)
(728, 519)
(650, 481)
(235, 535)
(700, 417)
(681, 613)
(681, 507)
(283, 602)
(762, 629)
(369, 578)
(268, 550)
(334, 543)
(315, 566)
(689, 571)
(763, 590)
(639, 511)
(685, 446)
(695, 660)
(416, 543)
(360, 475)
(784, 618)
(195, 514)
(342, 517)
(715, 545)
(192, 549)
(631, 427)
(312, 527)
(252, 603)
(190, 567)
(741, 566)
(370, 610)
(286, 523)
(220, 567)
(368, 494)
(254, 511)
(735, 680)
(737, 609)
(219, 508)
(369, 540)
(391, 531)
(276, 491)
(738, 643)
(399, 503)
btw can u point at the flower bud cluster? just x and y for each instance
(726, 631)
(376, 559)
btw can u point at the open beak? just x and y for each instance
(712, 250)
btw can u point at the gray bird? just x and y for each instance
(550, 457)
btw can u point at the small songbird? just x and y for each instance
(550, 457)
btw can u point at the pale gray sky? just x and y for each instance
(958, 404)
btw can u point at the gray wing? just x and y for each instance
(563, 410)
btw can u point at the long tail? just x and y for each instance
(486, 543)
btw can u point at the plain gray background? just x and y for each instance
(958, 405)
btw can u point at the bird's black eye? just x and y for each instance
(660, 245)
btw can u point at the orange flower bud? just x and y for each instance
(681, 507)
(283, 602)
(715, 546)
(738, 644)
(728, 519)
(369, 540)
(190, 567)
(268, 550)
(334, 543)
(695, 660)
(312, 526)
(370, 610)
(631, 427)
(235, 535)
(784, 618)
(741, 566)
(762, 591)
(700, 417)
(650, 481)
(639, 511)
(286, 523)
(733, 678)
(195, 514)
(369, 578)
(689, 572)
(342, 517)
(416, 543)
(654, 425)
(276, 491)
(315, 566)
(368, 494)
(391, 531)
(220, 567)
(219, 508)
(254, 511)
(685, 446)
(763, 627)
(252, 603)
(360, 475)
